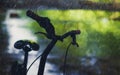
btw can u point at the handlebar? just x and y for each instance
(45, 23)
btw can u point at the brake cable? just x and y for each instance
(65, 60)
(33, 62)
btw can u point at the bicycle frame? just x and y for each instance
(44, 56)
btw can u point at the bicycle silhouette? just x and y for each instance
(26, 45)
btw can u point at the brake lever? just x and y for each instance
(74, 40)
(75, 44)
(41, 33)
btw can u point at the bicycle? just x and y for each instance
(21, 69)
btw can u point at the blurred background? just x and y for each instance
(99, 42)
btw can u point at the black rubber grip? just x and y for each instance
(76, 32)
(32, 15)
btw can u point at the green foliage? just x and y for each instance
(100, 34)
(103, 1)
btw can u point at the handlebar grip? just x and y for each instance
(32, 15)
(75, 32)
